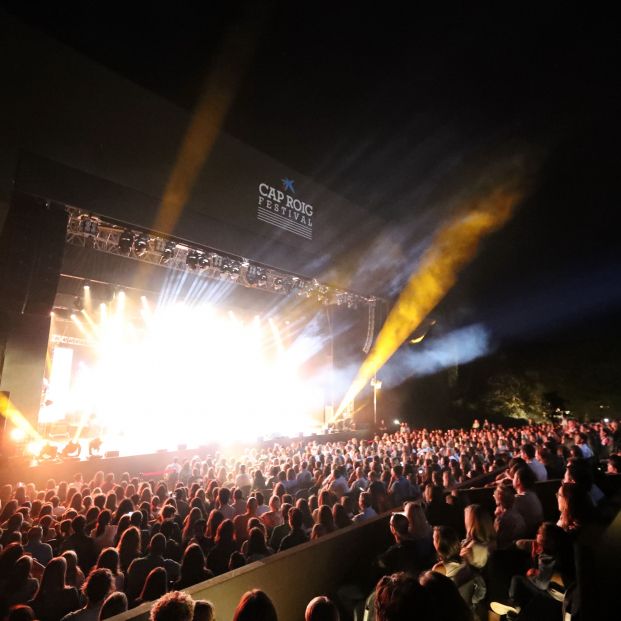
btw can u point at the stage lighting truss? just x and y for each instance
(93, 231)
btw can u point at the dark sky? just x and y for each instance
(395, 109)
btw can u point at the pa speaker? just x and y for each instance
(32, 243)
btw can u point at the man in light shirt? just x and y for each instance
(366, 510)
(539, 470)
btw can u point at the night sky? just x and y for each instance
(397, 110)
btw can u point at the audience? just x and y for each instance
(204, 517)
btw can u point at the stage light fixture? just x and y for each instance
(192, 259)
(235, 269)
(89, 226)
(262, 279)
(168, 252)
(141, 245)
(204, 261)
(252, 275)
(126, 241)
(278, 283)
(78, 304)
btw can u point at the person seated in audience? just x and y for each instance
(21, 612)
(447, 603)
(399, 489)
(41, 552)
(581, 440)
(321, 608)
(75, 576)
(218, 557)
(614, 464)
(109, 559)
(241, 521)
(173, 606)
(204, 610)
(114, 604)
(508, 522)
(400, 595)
(20, 587)
(256, 548)
(154, 587)
(550, 553)
(141, 567)
(192, 570)
(297, 534)
(403, 555)
(480, 537)
(447, 547)
(580, 471)
(273, 517)
(81, 543)
(279, 532)
(98, 585)
(554, 464)
(262, 508)
(575, 507)
(528, 454)
(526, 501)
(255, 605)
(239, 504)
(366, 509)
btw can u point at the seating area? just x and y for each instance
(455, 511)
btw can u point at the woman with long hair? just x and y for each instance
(55, 598)
(307, 518)
(155, 585)
(103, 533)
(74, 576)
(129, 547)
(257, 548)
(188, 525)
(109, 559)
(125, 506)
(215, 519)
(218, 557)
(339, 515)
(324, 517)
(20, 587)
(575, 506)
(480, 536)
(192, 570)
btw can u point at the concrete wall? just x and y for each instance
(294, 577)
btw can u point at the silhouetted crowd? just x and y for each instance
(86, 550)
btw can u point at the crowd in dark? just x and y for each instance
(84, 550)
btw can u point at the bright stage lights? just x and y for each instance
(18, 435)
(125, 383)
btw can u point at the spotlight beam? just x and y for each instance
(453, 246)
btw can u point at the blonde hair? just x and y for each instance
(479, 524)
(419, 526)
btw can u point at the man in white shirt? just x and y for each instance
(366, 510)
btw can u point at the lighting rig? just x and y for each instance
(92, 231)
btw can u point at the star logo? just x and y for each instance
(287, 184)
